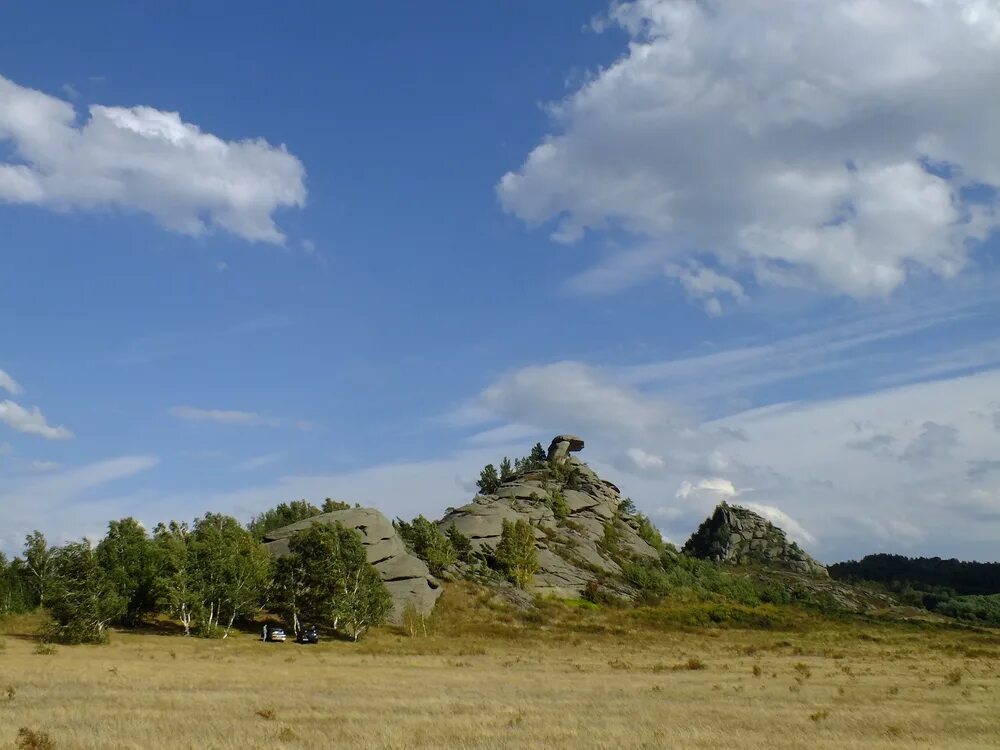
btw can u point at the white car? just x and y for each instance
(276, 635)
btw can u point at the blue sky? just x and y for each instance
(357, 251)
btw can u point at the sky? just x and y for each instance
(748, 251)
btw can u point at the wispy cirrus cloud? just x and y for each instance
(234, 417)
(62, 503)
(10, 385)
(222, 416)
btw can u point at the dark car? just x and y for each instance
(307, 635)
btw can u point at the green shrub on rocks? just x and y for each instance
(426, 541)
(516, 554)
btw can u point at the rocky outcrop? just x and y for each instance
(562, 445)
(581, 534)
(738, 536)
(405, 575)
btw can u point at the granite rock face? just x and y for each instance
(405, 575)
(738, 536)
(571, 510)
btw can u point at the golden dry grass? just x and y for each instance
(485, 678)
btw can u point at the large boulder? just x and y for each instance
(405, 575)
(562, 445)
(572, 511)
(738, 536)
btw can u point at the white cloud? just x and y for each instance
(222, 416)
(30, 421)
(644, 461)
(44, 466)
(567, 397)
(821, 145)
(783, 521)
(143, 159)
(505, 434)
(716, 489)
(10, 385)
(707, 285)
(61, 504)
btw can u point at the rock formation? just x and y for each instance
(738, 536)
(405, 575)
(562, 445)
(576, 519)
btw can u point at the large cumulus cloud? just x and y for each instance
(142, 159)
(841, 146)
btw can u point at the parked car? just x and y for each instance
(308, 635)
(276, 635)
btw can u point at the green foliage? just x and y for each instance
(427, 542)
(963, 590)
(282, 515)
(922, 573)
(627, 507)
(38, 561)
(489, 480)
(326, 579)
(516, 554)
(177, 583)
(534, 461)
(649, 533)
(16, 594)
(231, 572)
(81, 597)
(980, 609)
(681, 575)
(506, 470)
(538, 456)
(329, 506)
(127, 557)
(611, 543)
(460, 543)
(560, 508)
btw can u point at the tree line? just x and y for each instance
(209, 576)
(955, 588)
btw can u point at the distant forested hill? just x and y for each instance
(923, 573)
(965, 590)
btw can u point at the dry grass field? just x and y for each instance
(486, 677)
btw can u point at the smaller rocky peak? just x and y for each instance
(562, 445)
(738, 536)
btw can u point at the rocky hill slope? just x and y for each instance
(577, 519)
(589, 542)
